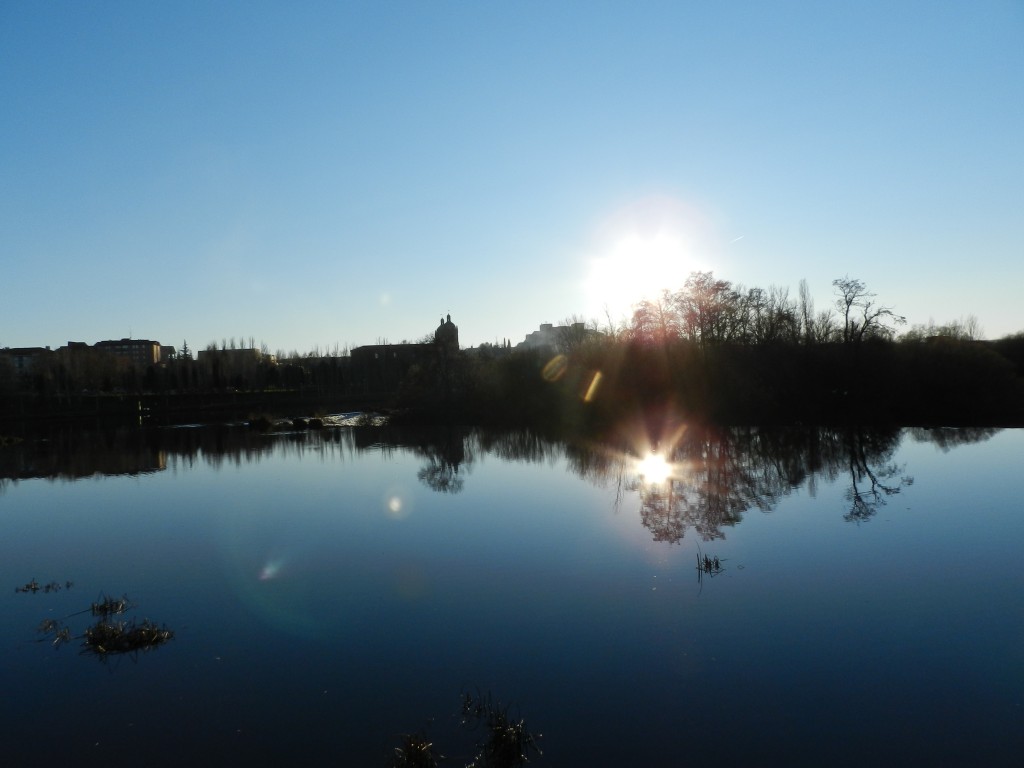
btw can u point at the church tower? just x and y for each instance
(447, 335)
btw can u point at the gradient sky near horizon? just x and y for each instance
(338, 173)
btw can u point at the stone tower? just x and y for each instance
(447, 335)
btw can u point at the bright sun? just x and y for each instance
(654, 469)
(647, 248)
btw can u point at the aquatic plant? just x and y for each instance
(509, 742)
(416, 752)
(104, 638)
(61, 634)
(709, 565)
(109, 606)
(34, 586)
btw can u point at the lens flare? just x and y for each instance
(555, 368)
(654, 469)
(397, 505)
(271, 569)
(595, 383)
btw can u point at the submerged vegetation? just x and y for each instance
(34, 586)
(104, 638)
(416, 751)
(710, 566)
(508, 743)
(109, 606)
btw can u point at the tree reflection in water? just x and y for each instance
(873, 477)
(441, 472)
(711, 476)
(717, 475)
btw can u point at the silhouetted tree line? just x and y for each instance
(710, 350)
(716, 352)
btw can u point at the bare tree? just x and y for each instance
(962, 330)
(613, 330)
(814, 329)
(862, 316)
(657, 320)
(971, 328)
(768, 316)
(709, 309)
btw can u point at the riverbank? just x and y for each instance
(21, 412)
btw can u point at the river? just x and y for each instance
(330, 590)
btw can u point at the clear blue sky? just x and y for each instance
(316, 173)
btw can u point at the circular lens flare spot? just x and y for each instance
(396, 507)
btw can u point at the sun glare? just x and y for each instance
(649, 247)
(654, 469)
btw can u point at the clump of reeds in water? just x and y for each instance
(509, 742)
(709, 565)
(416, 752)
(110, 606)
(61, 634)
(105, 638)
(34, 586)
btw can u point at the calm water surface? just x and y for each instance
(332, 590)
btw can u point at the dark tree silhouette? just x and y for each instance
(863, 317)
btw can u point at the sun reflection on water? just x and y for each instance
(654, 469)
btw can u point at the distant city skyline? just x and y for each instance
(544, 335)
(316, 174)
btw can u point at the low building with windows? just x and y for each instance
(140, 352)
(24, 359)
